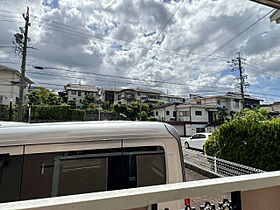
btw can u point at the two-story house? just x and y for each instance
(9, 88)
(148, 96)
(187, 118)
(78, 93)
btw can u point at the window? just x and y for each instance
(73, 92)
(75, 172)
(10, 177)
(184, 113)
(74, 99)
(156, 113)
(198, 113)
(152, 96)
(1, 99)
(236, 104)
(130, 95)
(198, 102)
(167, 112)
(119, 97)
(79, 93)
(219, 102)
(81, 100)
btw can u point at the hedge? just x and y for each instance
(56, 112)
(248, 141)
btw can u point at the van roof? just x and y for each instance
(67, 132)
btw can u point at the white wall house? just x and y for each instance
(9, 90)
(78, 93)
(187, 118)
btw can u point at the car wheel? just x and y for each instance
(187, 146)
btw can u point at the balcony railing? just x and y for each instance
(258, 191)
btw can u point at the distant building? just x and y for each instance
(108, 94)
(148, 96)
(9, 89)
(78, 93)
(273, 109)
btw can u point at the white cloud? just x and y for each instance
(112, 40)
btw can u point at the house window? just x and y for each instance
(119, 97)
(79, 93)
(73, 92)
(219, 102)
(1, 99)
(156, 113)
(130, 95)
(236, 104)
(74, 99)
(198, 102)
(184, 113)
(81, 100)
(152, 97)
(198, 113)
(167, 112)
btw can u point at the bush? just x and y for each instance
(250, 139)
(56, 112)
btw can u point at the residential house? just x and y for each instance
(166, 99)
(231, 102)
(187, 118)
(9, 88)
(78, 93)
(108, 94)
(148, 96)
(273, 109)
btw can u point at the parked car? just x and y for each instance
(59, 159)
(197, 140)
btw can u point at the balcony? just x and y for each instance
(257, 191)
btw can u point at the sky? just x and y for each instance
(179, 47)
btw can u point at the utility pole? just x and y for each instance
(22, 84)
(236, 65)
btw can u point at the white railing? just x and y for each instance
(220, 167)
(139, 197)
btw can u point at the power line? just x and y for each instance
(225, 44)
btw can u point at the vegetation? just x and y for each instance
(250, 138)
(135, 111)
(43, 96)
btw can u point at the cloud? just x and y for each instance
(113, 36)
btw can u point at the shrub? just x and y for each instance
(249, 139)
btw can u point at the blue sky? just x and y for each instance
(127, 38)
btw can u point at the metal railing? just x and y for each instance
(220, 167)
(144, 196)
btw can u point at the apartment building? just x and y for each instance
(9, 88)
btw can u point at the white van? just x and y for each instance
(59, 159)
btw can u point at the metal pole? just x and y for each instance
(11, 110)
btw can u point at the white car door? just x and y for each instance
(201, 141)
(194, 141)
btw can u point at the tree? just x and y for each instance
(34, 98)
(87, 101)
(53, 99)
(44, 96)
(72, 103)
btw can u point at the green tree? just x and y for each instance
(53, 99)
(34, 98)
(87, 101)
(72, 104)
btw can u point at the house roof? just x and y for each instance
(8, 69)
(164, 105)
(142, 90)
(275, 16)
(81, 87)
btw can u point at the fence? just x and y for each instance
(219, 167)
